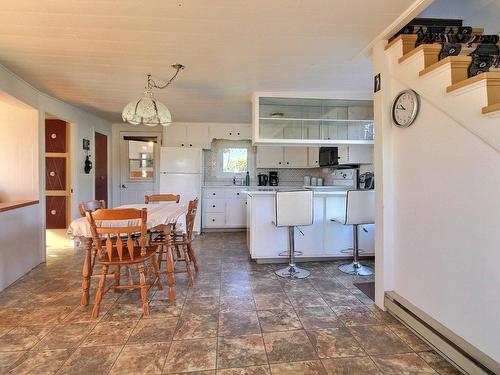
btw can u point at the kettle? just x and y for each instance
(263, 179)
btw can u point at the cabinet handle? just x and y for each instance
(182, 144)
(230, 133)
(213, 219)
(213, 205)
(213, 193)
(52, 173)
(279, 162)
(237, 193)
(190, 145)
(53, 212)
(287, 162)
(53, 136)
(238, 133)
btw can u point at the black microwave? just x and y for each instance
(328, 156)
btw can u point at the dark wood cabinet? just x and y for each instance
(55, 136)
(55, 207)
(55, 173)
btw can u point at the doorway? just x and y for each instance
(139, 159)
(101, 167)
(57, 181)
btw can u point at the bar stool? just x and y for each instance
(360, 209)
(293, 208)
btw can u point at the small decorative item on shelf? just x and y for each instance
(87, 164)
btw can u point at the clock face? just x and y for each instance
(405, 108)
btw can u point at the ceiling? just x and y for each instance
(95, 54)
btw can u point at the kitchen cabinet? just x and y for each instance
(230, 132)
(181, 135)
(313, 157)
(355, 154)
(224, 207)
(282, 157)
(281, 119)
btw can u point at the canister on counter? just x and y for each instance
(314, 181)
(320, 181)
(307, 180)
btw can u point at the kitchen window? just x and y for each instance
(234, 160)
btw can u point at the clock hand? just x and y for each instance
(401, 107)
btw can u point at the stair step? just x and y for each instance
(492, 85)
(491, 108)
(459, 65)
(431, 53)
(408, 42)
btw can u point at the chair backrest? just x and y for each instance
(162, 198)
(91, 206)
(190, 217)
(294, 208)
(360, 207)
(117, 226)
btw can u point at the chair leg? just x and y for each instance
(188, 265)
(92, 263)
(130, 281)
(118, 275)
(193, 257)
(100, 292)
(144, 288)
(157, 272)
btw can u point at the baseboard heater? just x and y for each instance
(465, 357)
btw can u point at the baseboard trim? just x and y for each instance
(465, 357)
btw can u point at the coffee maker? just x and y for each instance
(273, 178)
(263, 179)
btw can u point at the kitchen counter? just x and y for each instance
(324, 239)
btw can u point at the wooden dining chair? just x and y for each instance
(91, 206)
(162, 198)
(121, 249)
(182, 244)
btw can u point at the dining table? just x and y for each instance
(159, 216)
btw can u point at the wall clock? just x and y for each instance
(405, 108)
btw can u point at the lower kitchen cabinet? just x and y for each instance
(224, 207)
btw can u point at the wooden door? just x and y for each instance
(57, 174)
(101, 167)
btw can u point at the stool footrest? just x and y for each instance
(286, 253)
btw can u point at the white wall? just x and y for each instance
(22, 231)
(438, 237)
(18, 150)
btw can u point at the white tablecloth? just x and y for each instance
(160, 213)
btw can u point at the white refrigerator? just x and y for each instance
(181, 173)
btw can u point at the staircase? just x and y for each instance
(453, 83)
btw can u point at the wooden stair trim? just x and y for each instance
(408, 41)
(458, 66)
(491, 108)
(431, 53)
(492, 78)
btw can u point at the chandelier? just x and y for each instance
(147, 110)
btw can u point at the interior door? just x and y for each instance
(139, 169)
(101, 167)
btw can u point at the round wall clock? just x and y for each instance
(405, 108)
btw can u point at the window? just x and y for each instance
(141, 160)
(234, 160)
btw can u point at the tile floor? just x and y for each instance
(239, 319)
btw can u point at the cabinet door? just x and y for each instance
(270, 157)
(311, 243)
(175, 136)
(313, 156)
(242, 132)
(343, 154)
(197, 136)
(220, 132)
(236, 212)
(55, 207)
(295, 157)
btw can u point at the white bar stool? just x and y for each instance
(293, 208)
(360, 209)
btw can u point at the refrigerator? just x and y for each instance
(181, 173)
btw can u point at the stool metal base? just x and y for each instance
(292, 272)
(356, 268)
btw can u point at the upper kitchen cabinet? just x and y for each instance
(281, 120)
(184, 135)
(231, 132)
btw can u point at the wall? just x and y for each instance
(437, 229)
(18, 150)
(23, 229)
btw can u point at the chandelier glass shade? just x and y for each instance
(147, 110)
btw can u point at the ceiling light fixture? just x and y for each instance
(147, 110)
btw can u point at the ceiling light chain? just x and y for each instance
(147, 110)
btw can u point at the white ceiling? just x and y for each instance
(95, 53)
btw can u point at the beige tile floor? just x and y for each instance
(238, 319)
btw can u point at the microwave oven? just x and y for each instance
(328, 156)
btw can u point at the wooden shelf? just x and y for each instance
(313, 119)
